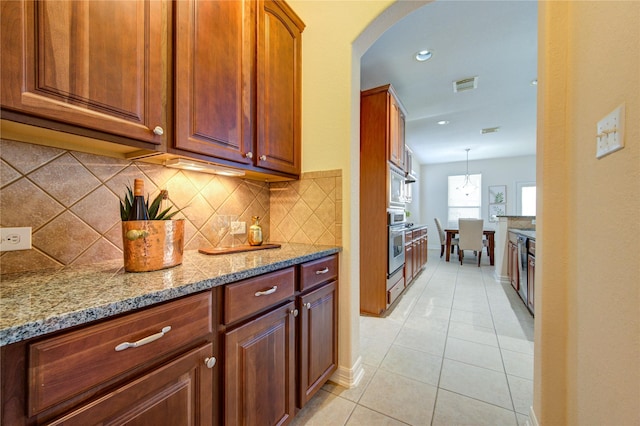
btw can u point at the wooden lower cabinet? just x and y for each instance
(415, 253)
(278, 357)
(91, 375)
(408, 258)
(512, 268)
(259, 370)
(317, 339)
(178, 394)
(531, 268)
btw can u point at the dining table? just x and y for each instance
(489, 233)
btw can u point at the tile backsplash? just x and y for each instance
(71, 201)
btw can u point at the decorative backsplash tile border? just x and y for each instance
(71, 201)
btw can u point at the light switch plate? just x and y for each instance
(238, 228)
(610, 136)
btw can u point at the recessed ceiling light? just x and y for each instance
(423, 55)
(443, 122)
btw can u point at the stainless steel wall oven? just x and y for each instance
(396, 226)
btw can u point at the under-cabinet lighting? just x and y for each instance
(197, 166)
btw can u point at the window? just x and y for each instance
(526, 198)
(464, 202)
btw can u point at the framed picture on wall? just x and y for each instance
(498, 194)
(496, 210)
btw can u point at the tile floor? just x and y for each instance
(456, 350)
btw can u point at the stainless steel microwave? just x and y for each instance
(396, 187)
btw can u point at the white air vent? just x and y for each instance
(490, 130)
(465, 84)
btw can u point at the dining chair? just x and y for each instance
(470, 237)
(443, 237)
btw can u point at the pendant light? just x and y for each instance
(467, 187)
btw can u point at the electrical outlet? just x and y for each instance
(15, 239)
(238, 228)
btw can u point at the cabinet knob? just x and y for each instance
(263, 157)
(158, 131)
(249, 154)
(307, 305)
(294, 312)
(210, 362)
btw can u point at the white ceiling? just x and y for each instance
(494, 40)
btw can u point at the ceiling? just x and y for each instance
(494, 40)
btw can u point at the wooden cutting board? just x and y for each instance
(237, 249)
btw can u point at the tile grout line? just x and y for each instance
(444, 350)
(515, 414)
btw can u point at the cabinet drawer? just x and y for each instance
(318, 271)
(255, 294)
(394, 292)
(65, 366)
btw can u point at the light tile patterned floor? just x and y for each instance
(456, 350)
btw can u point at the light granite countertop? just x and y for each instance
(36, 303)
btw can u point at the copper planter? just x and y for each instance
(150, 245)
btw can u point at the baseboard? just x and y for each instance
(349, 377)
(533, 421)
(503, 279)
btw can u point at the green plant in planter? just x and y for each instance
(154, 209)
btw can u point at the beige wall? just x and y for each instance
(587, 351)
(330, 98)
(337, 34)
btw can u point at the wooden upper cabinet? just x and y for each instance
(396, 131)
(279, 85)
(214, 87)
(92, 64)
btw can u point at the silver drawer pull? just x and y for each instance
(323, 271)
(266, 292)
(143, 341)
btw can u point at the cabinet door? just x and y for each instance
(214, 78)
(531, 276)
(396, 132)
(513, 266)
(408, 263)
(318, 337)
(177, 393)
(259, 378)
(92, 64)
(425, 253)
(278, 88)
